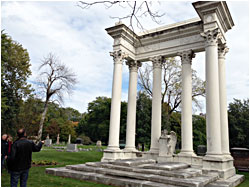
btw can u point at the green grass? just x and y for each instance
(38, 177)
(245, 183)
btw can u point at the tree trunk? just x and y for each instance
(39, 136)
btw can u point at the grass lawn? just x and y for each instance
(245, 183)
(38, 177)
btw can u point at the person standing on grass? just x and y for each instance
(20, 158)
(4, 150)
(10, 142)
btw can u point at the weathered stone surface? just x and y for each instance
(165, 166)
(168, 174)
(133, 162)
(72, 148)
(230, 182)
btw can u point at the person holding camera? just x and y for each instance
(20, 158)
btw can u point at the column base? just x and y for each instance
(187, 153)
(112, 155)
(223, 165)
(113, 148)
(130, 149)
(152, 154)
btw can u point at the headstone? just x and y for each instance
(201, 150)
(58, 139)
(99, 143)
(47, 136)
(167, 143)
(48, 142)
(78, 141)
(69, 140)
(72, 148)
(241, 158)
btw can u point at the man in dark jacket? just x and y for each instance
(4, 150)
(20, 159)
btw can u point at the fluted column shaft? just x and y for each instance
(212, 93)
(222, 50)
(156, 103)
(186, 103)
(131, 112)
(114, 128)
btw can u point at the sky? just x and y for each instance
(78, 37)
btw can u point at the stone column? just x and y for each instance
(131, 112)
(186, 103)
(156, 103)
(69, 140)
(114, 127)
(212, 93)
(222, 50)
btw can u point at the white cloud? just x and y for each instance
(79, 38)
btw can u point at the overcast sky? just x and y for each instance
(79, 38)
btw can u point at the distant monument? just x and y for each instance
(69, 140)
(99, 143)
(48, 142)
(58, 139)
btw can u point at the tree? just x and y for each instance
(15, 70)
(171, 86)
(55, 79)
(238, 119)
(95, 123)
(143, 118)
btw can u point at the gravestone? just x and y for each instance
(69, 140)
(58, 139)
(78, 141)
(99, 143)
(48, 142)
(72, 148)
(201, 150)
(167, 143)
(241, 158)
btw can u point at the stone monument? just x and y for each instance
(58, 139)
(99, 143)
(48, 141)
(69, 140)
(167, 145)
(205, 33)
(72, 148)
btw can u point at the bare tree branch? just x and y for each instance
(55, 79)
(137, 11)
(171, 85)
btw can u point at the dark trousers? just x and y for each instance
(15, 176)
(2, 162)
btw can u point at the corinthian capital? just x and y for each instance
(186, 56)
(157, 61)
(118, 56)
(211, 37)
(222, 50)
(133, 65)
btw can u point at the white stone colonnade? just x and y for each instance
(184, 39)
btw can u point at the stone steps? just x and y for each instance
(139, 173)
(104, 179)
(179, 173)
(199, 181)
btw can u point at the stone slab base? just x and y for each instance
(150, 155)
(220, 164)
(143, 172)
(111, 155)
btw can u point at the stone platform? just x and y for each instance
(144, 173)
